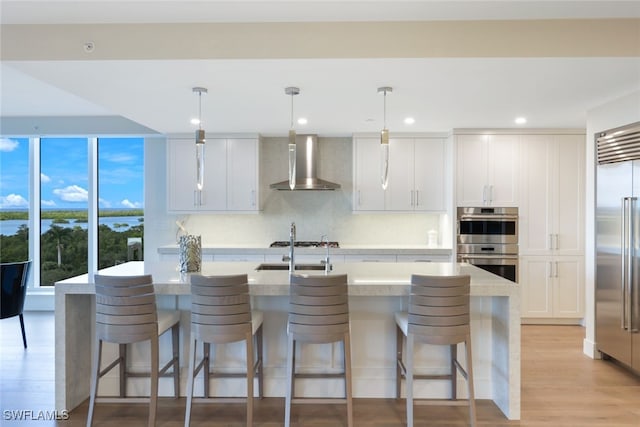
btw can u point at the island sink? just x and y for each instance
(276, 266)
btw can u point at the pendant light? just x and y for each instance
(384, 141)
(292, 91)
(200, 140)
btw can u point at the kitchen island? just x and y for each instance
(376, 291)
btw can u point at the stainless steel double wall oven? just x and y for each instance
(488, 238)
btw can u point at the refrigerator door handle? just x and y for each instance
(624, 246)
(632, 279)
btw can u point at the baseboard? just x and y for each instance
(590, 350)
(550, 321)
(40, 302)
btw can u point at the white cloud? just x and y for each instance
(72, 193)
(47, 203)
(127, 204)
(104, 203)
(44, 178)
(7, 144)
(13, 201)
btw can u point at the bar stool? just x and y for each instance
(438, 315)
(221, 313)
(126, 313)
(318, 313)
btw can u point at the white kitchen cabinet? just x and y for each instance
(416, 175)
(368, 194)
(487, 170)
(230, 179)
(552, 203)
(552, 287)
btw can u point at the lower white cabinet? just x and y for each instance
(552, 287)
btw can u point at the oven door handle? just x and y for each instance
(468, 217)
(486, 256)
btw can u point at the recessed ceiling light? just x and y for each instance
(520, 120)
(195, 121)
(409, 121)
(302, 121)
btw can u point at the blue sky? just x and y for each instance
(64, 173)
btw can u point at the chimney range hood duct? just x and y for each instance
(306, 167)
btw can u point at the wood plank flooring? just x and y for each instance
(560, 387)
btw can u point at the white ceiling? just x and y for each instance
(338, 96)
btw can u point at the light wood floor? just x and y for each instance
(560, 387)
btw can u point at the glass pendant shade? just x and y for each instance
(292, 91)
(384, 142)
(200, 140)
(384, 158)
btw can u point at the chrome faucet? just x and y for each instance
(292, 242)
(327, 260)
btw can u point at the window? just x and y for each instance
(64, 183)
(14, 199)
(120, 200)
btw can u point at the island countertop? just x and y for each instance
(365, 279)
(376, 290)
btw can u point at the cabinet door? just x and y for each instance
(536, 279)
(214, 194)
(429, 174)
(181, 175)
(400, 192)
(568, 203)
(502, 170)
(568, 287)
(368, 193)
(535, 222)
(471, 170)
(242, 174)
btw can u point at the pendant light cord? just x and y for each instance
(200, 110)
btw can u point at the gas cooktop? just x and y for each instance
(304, 244)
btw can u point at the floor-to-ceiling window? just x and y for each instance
(64, 183)
(120, 200)
(87, 199)
(14, 199)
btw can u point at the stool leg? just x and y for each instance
(259, 351)
(175, 340)
(155, 367)
(399, 342)
(409, 379)
(190, 380)
(206, 367)
(290, 379)
(95, 368)
(123, 369)
(250, 367)
(453, 348)
(472, 399)
(347, 378)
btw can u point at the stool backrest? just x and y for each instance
(439, 308)
(125, 308)
(14, 287)
(220, 308)
(318, 308)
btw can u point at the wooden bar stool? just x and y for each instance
(438, 315)
(221, 313)
(318, 313)
(126, 313)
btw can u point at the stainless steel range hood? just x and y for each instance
(306, 167)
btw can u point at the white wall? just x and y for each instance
(613, 114)
(314, 212)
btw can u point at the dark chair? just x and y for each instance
(14, 291)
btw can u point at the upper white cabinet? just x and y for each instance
(230, 179)
(552, 205)
(487, 170)
(416, 175)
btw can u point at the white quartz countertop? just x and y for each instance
(344, 249)
(365, 279)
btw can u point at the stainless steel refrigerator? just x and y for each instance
(618, 245)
